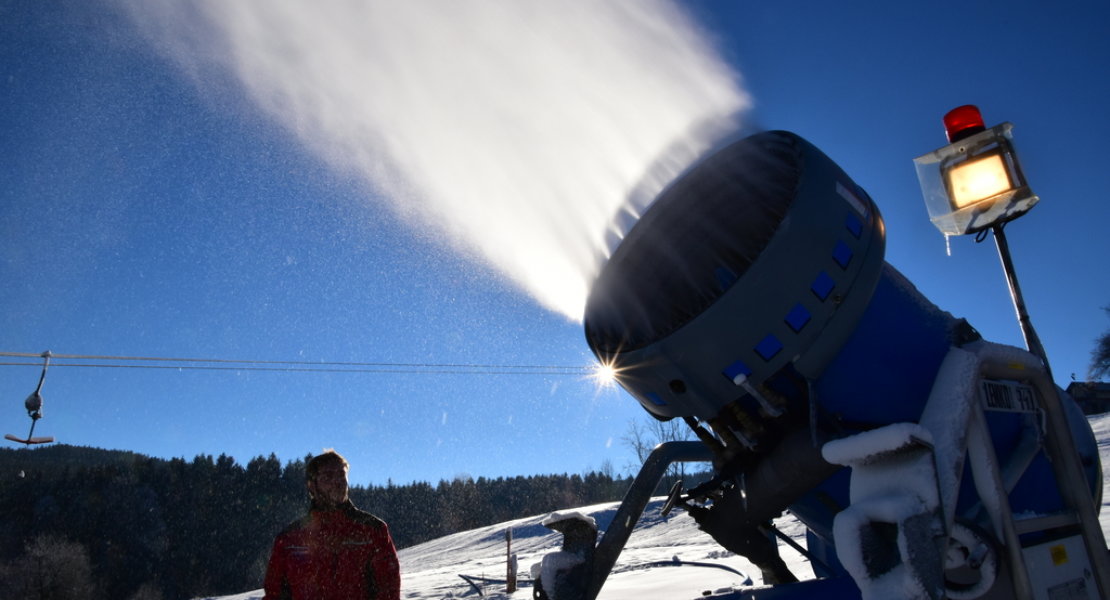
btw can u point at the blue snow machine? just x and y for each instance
(752, 301)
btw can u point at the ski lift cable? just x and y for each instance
(216, 364)
(425, 371)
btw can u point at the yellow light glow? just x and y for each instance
(977, 180)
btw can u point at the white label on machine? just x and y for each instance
(1008, 396)
(1060, 570)
(856, 203)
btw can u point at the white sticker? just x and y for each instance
(852, 199)
(1008, 397)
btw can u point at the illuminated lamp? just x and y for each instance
(976, 181)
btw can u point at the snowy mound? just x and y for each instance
(432, 569)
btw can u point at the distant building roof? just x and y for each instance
(1092, 396)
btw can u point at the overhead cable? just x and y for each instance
(225, 364)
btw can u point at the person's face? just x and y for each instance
(329, 488)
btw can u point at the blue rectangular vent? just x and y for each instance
(769, 347)
(725, 277)
(842, 254)
(855, 227)
(797, 318)
(655, 399)
(822, 286)
(736, 368)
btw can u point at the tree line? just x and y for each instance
(80, 522)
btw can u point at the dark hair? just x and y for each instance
(328, 457)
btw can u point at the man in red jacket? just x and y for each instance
(336, 551)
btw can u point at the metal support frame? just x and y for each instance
(1060, 445)
(998, 508)
(1074, 487)
(960, 422)
(635, 500)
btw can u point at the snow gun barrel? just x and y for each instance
(754, 290)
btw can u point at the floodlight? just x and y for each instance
(976, 181)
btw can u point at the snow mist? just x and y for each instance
(519, 129)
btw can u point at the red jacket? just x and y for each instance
(342, 554)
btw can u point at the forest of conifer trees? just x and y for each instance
(97, 524)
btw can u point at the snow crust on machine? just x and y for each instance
(552, 565)
(557, 517)
(893, 483)
(898, 582)
(870, 446)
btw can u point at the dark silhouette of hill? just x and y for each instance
(53, 456)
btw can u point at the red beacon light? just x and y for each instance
(962, 122)
(975, 182)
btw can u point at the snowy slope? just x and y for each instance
(1101, 426)
(431, 570)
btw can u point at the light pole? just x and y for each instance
(975, 184)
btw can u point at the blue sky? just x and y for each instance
(148, 210)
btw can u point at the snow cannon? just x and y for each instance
(752, 300)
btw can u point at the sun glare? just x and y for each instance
(604, 375)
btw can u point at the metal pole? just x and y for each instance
(510, 563)
(1032, 342)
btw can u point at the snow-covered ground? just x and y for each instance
(1101, 426)
(431, 570)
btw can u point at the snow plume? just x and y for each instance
(518, 129)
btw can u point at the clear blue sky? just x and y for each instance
(145, 214)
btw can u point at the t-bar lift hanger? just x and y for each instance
(33, 403)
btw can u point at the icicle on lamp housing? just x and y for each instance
(975, 182)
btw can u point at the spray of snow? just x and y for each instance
(516, 130)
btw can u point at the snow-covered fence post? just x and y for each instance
(510, 563)
(565, 575)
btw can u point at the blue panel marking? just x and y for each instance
(736, 368)
(855, 227)
(797, 318)
(822, 286)
(842, 254)
(655, 399)
(768, 347)
(725, 277)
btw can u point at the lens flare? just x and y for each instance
(604, 375)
